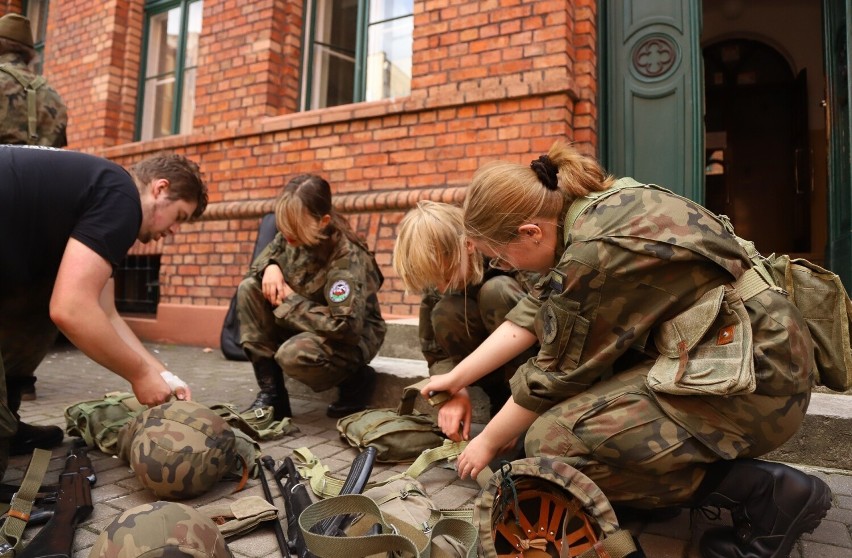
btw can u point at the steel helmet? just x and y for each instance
(179, 449)
(161, 530)
(543, 507)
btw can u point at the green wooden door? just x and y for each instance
(838, 14)
(653, 88)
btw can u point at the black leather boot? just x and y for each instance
(354, 393)
(771, 505)
(273, 393)
(28, 436)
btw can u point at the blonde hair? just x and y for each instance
(503, 196)
(430, 249)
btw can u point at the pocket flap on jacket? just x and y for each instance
(690, 325)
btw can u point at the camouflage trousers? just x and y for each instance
(304, 356)
(461, 323)
(618, 434)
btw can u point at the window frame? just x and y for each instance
(154, 8)
(39, 34)
(309, 44)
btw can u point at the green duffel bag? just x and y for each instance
(399, 435)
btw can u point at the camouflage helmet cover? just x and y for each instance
(569, 490)
(161, 530)
(179, 449)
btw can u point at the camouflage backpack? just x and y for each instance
(161, 530)
(545, 505)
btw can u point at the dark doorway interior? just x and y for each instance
(757, 164)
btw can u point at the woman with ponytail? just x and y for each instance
(665, 366)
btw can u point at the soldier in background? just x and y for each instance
(31, 111)
(308, 306)
(464, 299)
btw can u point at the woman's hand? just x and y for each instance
(442, 382)
(455, 415)
(477, 455)
(275, 290)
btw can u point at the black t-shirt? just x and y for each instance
(48, 196)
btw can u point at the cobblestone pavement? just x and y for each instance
(67, 377)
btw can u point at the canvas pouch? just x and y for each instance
(707, 349)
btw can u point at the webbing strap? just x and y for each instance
(397, 535)
(617, 545)
(751, 283)
(22, 503)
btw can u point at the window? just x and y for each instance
(171, 58)
(357, 50)
(137, 285)
(36, 12)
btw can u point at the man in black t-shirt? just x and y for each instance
(66, 221)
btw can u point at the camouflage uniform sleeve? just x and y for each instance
(437, 359)
(348, 288)
(273, 251)
(610, 299)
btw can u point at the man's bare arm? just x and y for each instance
(75, 308)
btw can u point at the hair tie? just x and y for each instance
(546, 172)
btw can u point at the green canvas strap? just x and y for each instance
(397, 536)
(257, 424)
(617, 545)
(325, 485)
(22, 503)
(30, 86)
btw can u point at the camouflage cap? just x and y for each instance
(179, 449)
(576, 511)
(161, 530)
(17, 28)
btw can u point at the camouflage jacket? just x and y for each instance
(635, 259)
(51, 113)
(438, 360)
(336, 286)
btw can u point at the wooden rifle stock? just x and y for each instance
(73, 505)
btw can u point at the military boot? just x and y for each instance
(273, 393)
(354, 393)
(28, 436)
(771, 505)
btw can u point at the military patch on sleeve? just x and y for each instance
(550, 326)
(339, 291)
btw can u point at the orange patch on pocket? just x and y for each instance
(726, 335)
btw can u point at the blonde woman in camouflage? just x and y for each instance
(613, 390)
(308, 306)
(463, 301)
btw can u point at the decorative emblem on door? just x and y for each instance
(654, 56)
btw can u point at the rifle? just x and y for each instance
(283, 543)
(73, 504)
(297, 497)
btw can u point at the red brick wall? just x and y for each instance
(11, 7)
(491, 79)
